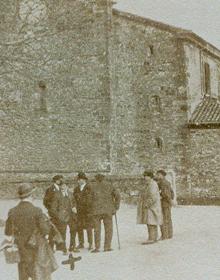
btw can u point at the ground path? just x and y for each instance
(193, 254)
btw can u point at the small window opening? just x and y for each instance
(159, 143)
(43, 101)
(156, 102)
(151, 47)
(207, 83)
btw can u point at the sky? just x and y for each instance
(200, 16)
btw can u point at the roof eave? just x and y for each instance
(148, 21)
(180, 33)
(204, 125)
(199, 42)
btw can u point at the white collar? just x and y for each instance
(56, 187)
(82, 187)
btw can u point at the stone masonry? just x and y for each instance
(55, 88)
(85, 87)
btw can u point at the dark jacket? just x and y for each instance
(105, 198)
(49, 196)
(23, 220)
(61, 208)
(166, 193)
(83, 200)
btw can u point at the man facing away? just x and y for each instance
(83, 199)
(106, 201)
(23, 220)
(166, 194)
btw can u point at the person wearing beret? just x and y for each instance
(106, 201)
(166, 194)
(83, 197)
(22, 223)
(47, 202)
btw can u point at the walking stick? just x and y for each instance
(116, 222)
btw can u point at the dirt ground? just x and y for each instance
(193, 253)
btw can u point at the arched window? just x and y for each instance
(207, 79)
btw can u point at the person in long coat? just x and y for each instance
(106, 201)
(61, 210)
(83, 197)
(167, 195)
(23, 221)
(149, 207)
(48, 199)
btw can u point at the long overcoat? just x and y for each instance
(105, 198)
(149, 206)
(61, 208)
(23, 221)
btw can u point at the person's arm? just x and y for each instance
(89, 199)
(116, 198)
(48, 198)
(151, 195)
(73, 202)
(43, 223)
(9, 225)
(166, 193)
(54, 206)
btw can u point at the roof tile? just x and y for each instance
(207, 112)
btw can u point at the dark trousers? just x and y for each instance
(52, 234)
(152, 232)
(62, 229)
(167, 227)
(84, 223)
(73, 232)
(25, 270)
(108, 226)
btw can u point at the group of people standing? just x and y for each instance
(154, 206)
(38, 235)
(84, 209)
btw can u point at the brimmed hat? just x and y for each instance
(148, 173)
(162, 172)
(57, 177)
(82, 175)
(99, 177)
(25, 190)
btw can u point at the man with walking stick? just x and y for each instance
(106, 201)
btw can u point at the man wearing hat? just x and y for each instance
(149, 207)
(106, 201)
(23, 220)
(83, 198)
(166, 194)
(62, 210)
(48, 199)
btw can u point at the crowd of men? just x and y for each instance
(82, 210)
(154, 206)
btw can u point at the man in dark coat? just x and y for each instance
(61, 209)
(23, 220)
(48, 200)
(106, 201)
(83, 199)
(166, 194)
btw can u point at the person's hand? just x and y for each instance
(74, 210)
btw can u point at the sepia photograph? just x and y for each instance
(110, 139)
